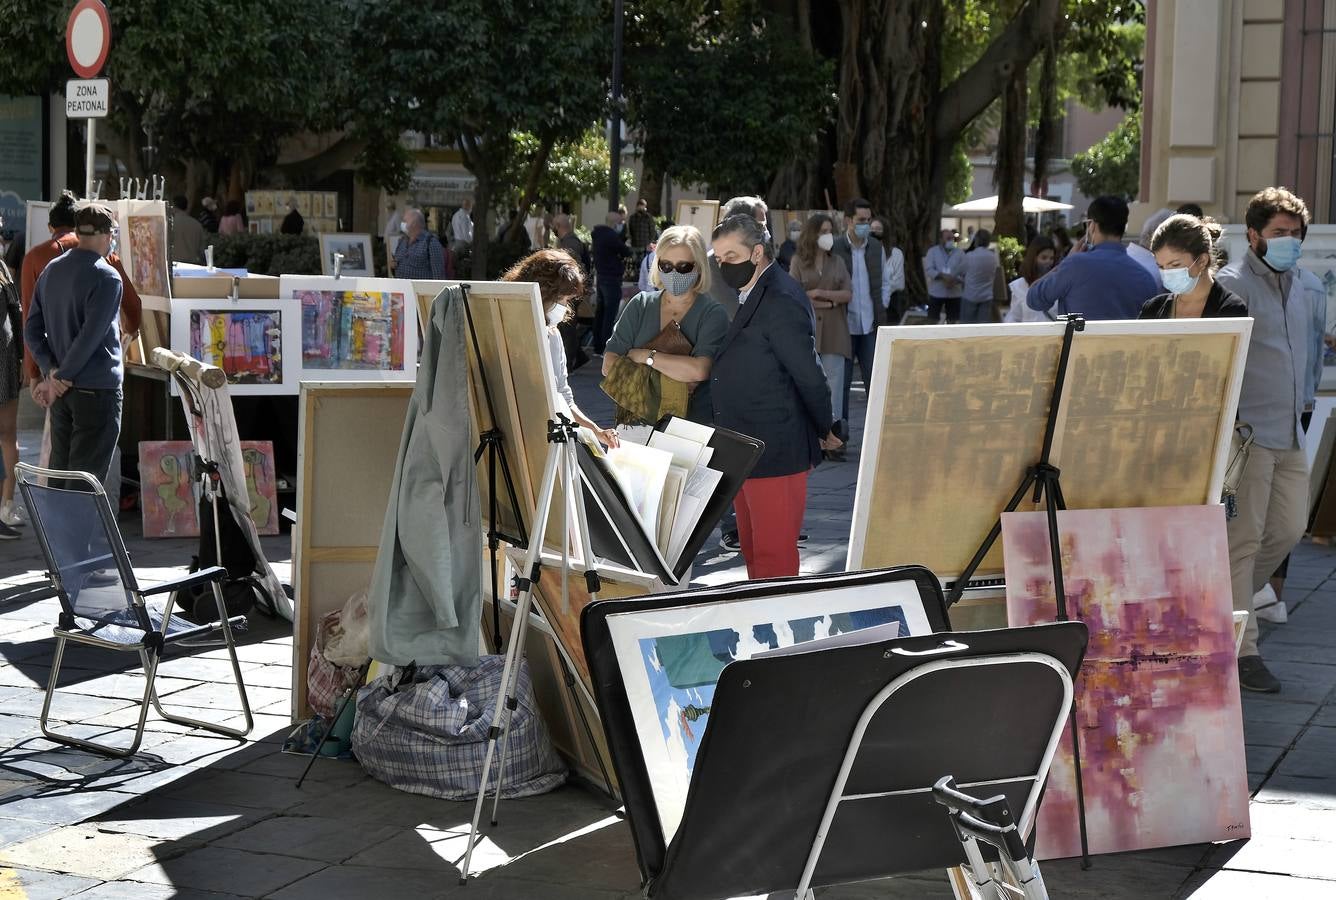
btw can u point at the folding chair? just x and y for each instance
(102, 603)
(990, 821)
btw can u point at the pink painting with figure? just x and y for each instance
(1157, 698)
(169, 495)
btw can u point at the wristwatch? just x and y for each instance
(649, 360)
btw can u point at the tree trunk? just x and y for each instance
(651, 189)
(537, 166)
(1046, 134)
(1009, 176)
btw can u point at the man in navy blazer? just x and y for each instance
(767, 382)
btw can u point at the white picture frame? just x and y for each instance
(356, 249)
(990, 489)
(36, 232)
(288, 347)
(337, 357)
(668, 747)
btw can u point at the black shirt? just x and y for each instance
(1220, 304)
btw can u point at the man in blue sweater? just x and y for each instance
(1097, 279)
(73, 332)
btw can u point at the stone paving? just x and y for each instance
(196, 816)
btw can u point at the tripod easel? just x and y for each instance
(1042, 479)
(561, 464)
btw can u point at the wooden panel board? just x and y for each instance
(957, 414)
(348, 440)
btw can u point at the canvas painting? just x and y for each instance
(1157, 699)
(143, 245)
(356, 250)
(356, 328)
(39, 212)
(957, 415)
(671, 659)
(257, 343)
(169, 491)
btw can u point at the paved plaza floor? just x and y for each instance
(197, 816)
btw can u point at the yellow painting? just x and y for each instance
(957, 415)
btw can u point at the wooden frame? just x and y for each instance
(348, 440)
(704, 214)
(331, 243)
(960, 412)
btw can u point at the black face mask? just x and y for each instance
(737, 275)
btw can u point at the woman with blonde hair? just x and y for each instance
(658, 360)
(561, 283)
(826, 280)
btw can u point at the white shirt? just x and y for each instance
(556, 349)
(895, 263)
(461, 226)
(1020, 312)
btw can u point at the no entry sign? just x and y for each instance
(88, 37)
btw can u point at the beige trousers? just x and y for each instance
(1273, 513)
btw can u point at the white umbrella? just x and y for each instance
(987, 206)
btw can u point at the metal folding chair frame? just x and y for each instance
(154, 641)
(837, 794)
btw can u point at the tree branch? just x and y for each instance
(960, 102)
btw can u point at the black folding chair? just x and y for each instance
(102, 602)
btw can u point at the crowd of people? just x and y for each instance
(731, 331)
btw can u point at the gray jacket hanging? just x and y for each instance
(425, 600)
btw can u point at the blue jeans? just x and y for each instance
(605, 317)
(85, 425)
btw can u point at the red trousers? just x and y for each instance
(770, 518)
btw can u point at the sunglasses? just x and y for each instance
(682, 268)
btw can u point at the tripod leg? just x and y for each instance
(532, 558)
(958, 589)
(512, 703)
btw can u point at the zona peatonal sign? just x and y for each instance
(87, 98)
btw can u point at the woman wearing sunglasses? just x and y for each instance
(670, 333)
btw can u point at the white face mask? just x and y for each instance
(826, 241)
(403, 228)
(556, 315)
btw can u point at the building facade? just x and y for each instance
(1239, 95)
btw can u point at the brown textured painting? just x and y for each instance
(143, 243)
(960, 413)
(1157, 699)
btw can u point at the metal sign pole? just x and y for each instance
(90, 158)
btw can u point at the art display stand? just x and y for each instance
(1042, 483)
(884, 722)
(561, 468)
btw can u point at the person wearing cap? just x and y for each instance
(73, 333)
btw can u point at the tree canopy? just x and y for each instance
(1113, 166)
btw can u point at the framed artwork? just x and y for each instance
(655, 662)
(331, 205)
(670, 659)
(169, 493)
(39, 211)
(1145, 420)
(1158, 713)
(355, 329)
(704, 214)
(266, 226)
(356, 250)
(143, 245)
(256, 342)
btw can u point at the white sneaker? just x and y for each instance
(1269, 607)
(13, 515)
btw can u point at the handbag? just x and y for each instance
(644, 395)
(1242, 442)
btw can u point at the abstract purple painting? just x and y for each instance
(1158, 714)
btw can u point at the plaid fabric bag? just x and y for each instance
(326, 682)
(424, 731)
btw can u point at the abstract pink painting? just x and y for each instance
(1157, 698)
